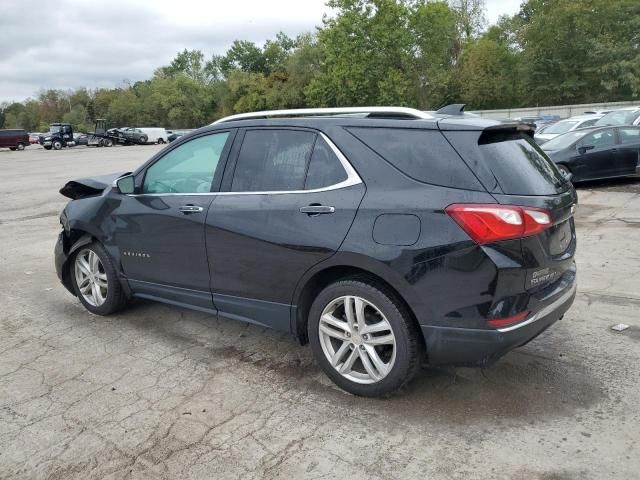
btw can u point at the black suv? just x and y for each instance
(384, 237)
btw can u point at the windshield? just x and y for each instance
(619, 117)
(563, 141)
(561, 127)
(54, 128)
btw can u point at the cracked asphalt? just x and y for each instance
(158, 392)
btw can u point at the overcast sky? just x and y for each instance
(74, 43)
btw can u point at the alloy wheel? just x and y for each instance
(91, 277)
(357, 339)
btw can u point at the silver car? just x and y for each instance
(564, 126)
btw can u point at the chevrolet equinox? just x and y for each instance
(384, 237)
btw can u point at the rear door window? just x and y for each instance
(424, 155)
(273, 160)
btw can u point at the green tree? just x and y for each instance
(244, 56)
(576, 52)
(434, 26)
(364, 46)
(490, 72)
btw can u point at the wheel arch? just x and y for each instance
(74, 240)
(315, 281)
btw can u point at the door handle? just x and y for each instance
(315, 209)
(187, 209)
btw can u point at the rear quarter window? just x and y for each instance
(518, 166)
(424, 155)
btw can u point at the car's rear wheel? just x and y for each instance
(95, 280)
(160, 141)
(364, 338)
(20, 146)
(143, 139)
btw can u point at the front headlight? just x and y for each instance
(47, 138)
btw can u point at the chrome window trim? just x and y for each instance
(544, 312)
(352, 179)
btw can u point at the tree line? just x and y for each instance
(418, 53)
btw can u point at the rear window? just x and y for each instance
(619, 117)
(515, 162)
(424, 155)
(561, 127)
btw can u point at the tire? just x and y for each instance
(47, 148)
(400, 355)
(161, 141)
(57, 145)
(143, 139)
(20, 146)
(102, 279)
(13, 149)
(108, 142)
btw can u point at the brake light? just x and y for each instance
(504, 322)
(487, 223)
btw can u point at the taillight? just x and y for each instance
(487, 223)
(504, 322)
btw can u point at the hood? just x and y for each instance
(89, 187)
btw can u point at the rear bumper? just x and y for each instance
(482, 347)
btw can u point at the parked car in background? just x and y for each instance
(538, 120)
(155, 135)
(353, 234)
(596, 152)
(563, 126)
(176, 134)
(14, 139)
(133, 135)
(623, 116)
(81, 139)
(34, 138)
(597, 112)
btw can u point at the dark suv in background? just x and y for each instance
(381, 236)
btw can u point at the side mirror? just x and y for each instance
(585, 148)
(126, 184)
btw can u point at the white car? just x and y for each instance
(155, 135)
(623, 116)
(564, 126)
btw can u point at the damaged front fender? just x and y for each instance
(89, 187)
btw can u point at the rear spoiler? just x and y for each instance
(511, 128)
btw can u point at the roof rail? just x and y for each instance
(315, 112)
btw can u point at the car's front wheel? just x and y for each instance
(95, 280)
(364, 338)
(57, 145)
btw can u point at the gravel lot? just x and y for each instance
(159, 392)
